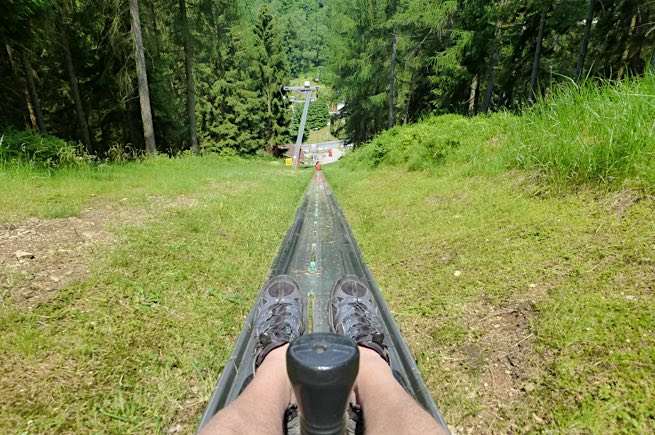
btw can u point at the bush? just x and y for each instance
(428, 144)
(35, 148)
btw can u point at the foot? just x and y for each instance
(354, 313)
(281, 316)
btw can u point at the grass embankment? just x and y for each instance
(320, 136)
(137, 346)
(598, 135)
(526, 295)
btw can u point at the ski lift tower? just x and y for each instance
(307, 89)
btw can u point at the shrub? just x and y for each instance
(428, 144)
(35, 148)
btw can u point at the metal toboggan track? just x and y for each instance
(318, 249)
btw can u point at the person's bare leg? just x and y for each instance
(261, 406)
(388, 409)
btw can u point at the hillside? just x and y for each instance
(518, 256)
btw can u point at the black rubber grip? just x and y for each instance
(322, 369)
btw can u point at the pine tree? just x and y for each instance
(271, 77)
(63, 28)
(188, 68)
(228, 107)
(362, 76)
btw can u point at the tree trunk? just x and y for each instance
(155, 32)
(585, 41)
(190, 86)
(473, 96)
(392, 75)
(34, 95)
(492, 78)
(26, 92)
(392, 66)
(75, 90)
(537, 53)
(628, 41)
(144, 94)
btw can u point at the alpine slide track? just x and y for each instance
(318, 249)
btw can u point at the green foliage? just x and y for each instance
(361, 67)
(429, 144)
(304, 27)
(472, 56)
(16, 15)
(228, 108)
(295, 124)
(452, 57)
(239, 67)
(318, 116)
(37, 149)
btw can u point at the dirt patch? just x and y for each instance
(508, 342)
(178, 202)
(231, 187)
(501, 353)
(620, 203)
(40, 256)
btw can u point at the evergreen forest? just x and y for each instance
(116, 78)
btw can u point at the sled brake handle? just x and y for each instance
(322, 368)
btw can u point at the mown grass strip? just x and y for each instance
(525, 312)
(138, 346)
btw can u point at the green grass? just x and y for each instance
(549, 325)
(582, 135)
(591, 134)
(430, 144)
(138, 345)
(320, 136)
(28, 191)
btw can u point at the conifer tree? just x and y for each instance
(271, 77)
(229, 109)
(362, 74)
(190, 86)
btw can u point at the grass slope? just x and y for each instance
(581, 135)
(320, 136)
(137, 347)
(517, 253)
